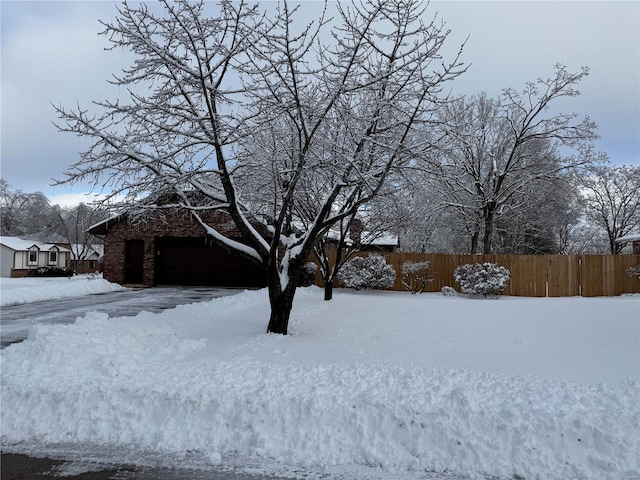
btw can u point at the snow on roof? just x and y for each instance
(380, 239)
(89, 250)
(633, 237)
(18, 244)
(368, 238)
(105, 223)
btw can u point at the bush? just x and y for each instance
(487, 279)
(634, 271)
(53, 272)
(416, 276)
(367, 273)
(449, 291)
(308, 275)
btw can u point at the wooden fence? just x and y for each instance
(533, 275)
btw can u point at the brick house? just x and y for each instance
(171, 248)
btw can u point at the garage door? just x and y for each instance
(194, 261)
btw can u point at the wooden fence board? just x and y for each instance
(532, 275)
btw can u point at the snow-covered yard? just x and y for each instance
(381, 385)
(35, 289)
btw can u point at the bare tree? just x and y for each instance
(24, 214)
(612, 200)
(348, 237)
(73, 225)
(497, 148)
(217, 81)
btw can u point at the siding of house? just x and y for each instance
(22, 265)
(22, 260)
(6, 261)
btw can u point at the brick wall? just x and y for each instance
(147, 229)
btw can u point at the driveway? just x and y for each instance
(16, 320)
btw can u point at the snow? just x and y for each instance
(376, 385)
(35, 289)
(633, 237)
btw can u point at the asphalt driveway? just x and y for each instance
(16, 320)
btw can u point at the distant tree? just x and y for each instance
(422, 221)
(31, 216)
(495, 149)
(220, 87)
(336, 240)
(73, 225)
(533, 221)
(24, 214)
(349, 237)
(611, 197)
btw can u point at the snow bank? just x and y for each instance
(27, 290)
(368, 386)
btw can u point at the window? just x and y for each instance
(33, 257)
(53, 256)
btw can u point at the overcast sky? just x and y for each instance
(51, 53)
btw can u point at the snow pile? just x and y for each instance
(27, 290)
(377, 385)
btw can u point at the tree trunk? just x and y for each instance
(614, 247)
(474, 242)
(281, 299)
(489, 214)
(281, 304)
(328, 289)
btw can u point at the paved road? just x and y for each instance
(23, 467)
(15, 320)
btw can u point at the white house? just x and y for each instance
(18, 256)
(86, 258)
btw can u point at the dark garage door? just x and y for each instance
(195, 261)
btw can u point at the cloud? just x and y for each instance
(72, 199)
(51, 53)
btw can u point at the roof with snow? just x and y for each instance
(379, 239)
(18, 244)
(368, 238)
(88, 251)
(633, 237)
(102, 226)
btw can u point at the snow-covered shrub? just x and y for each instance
(416, 276)
(487, 279)
(53, 272)
(367, 273)
(449, 291)
(308, 275)
(634, 271)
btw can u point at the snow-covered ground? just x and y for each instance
(381, 385)
(26, 290)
